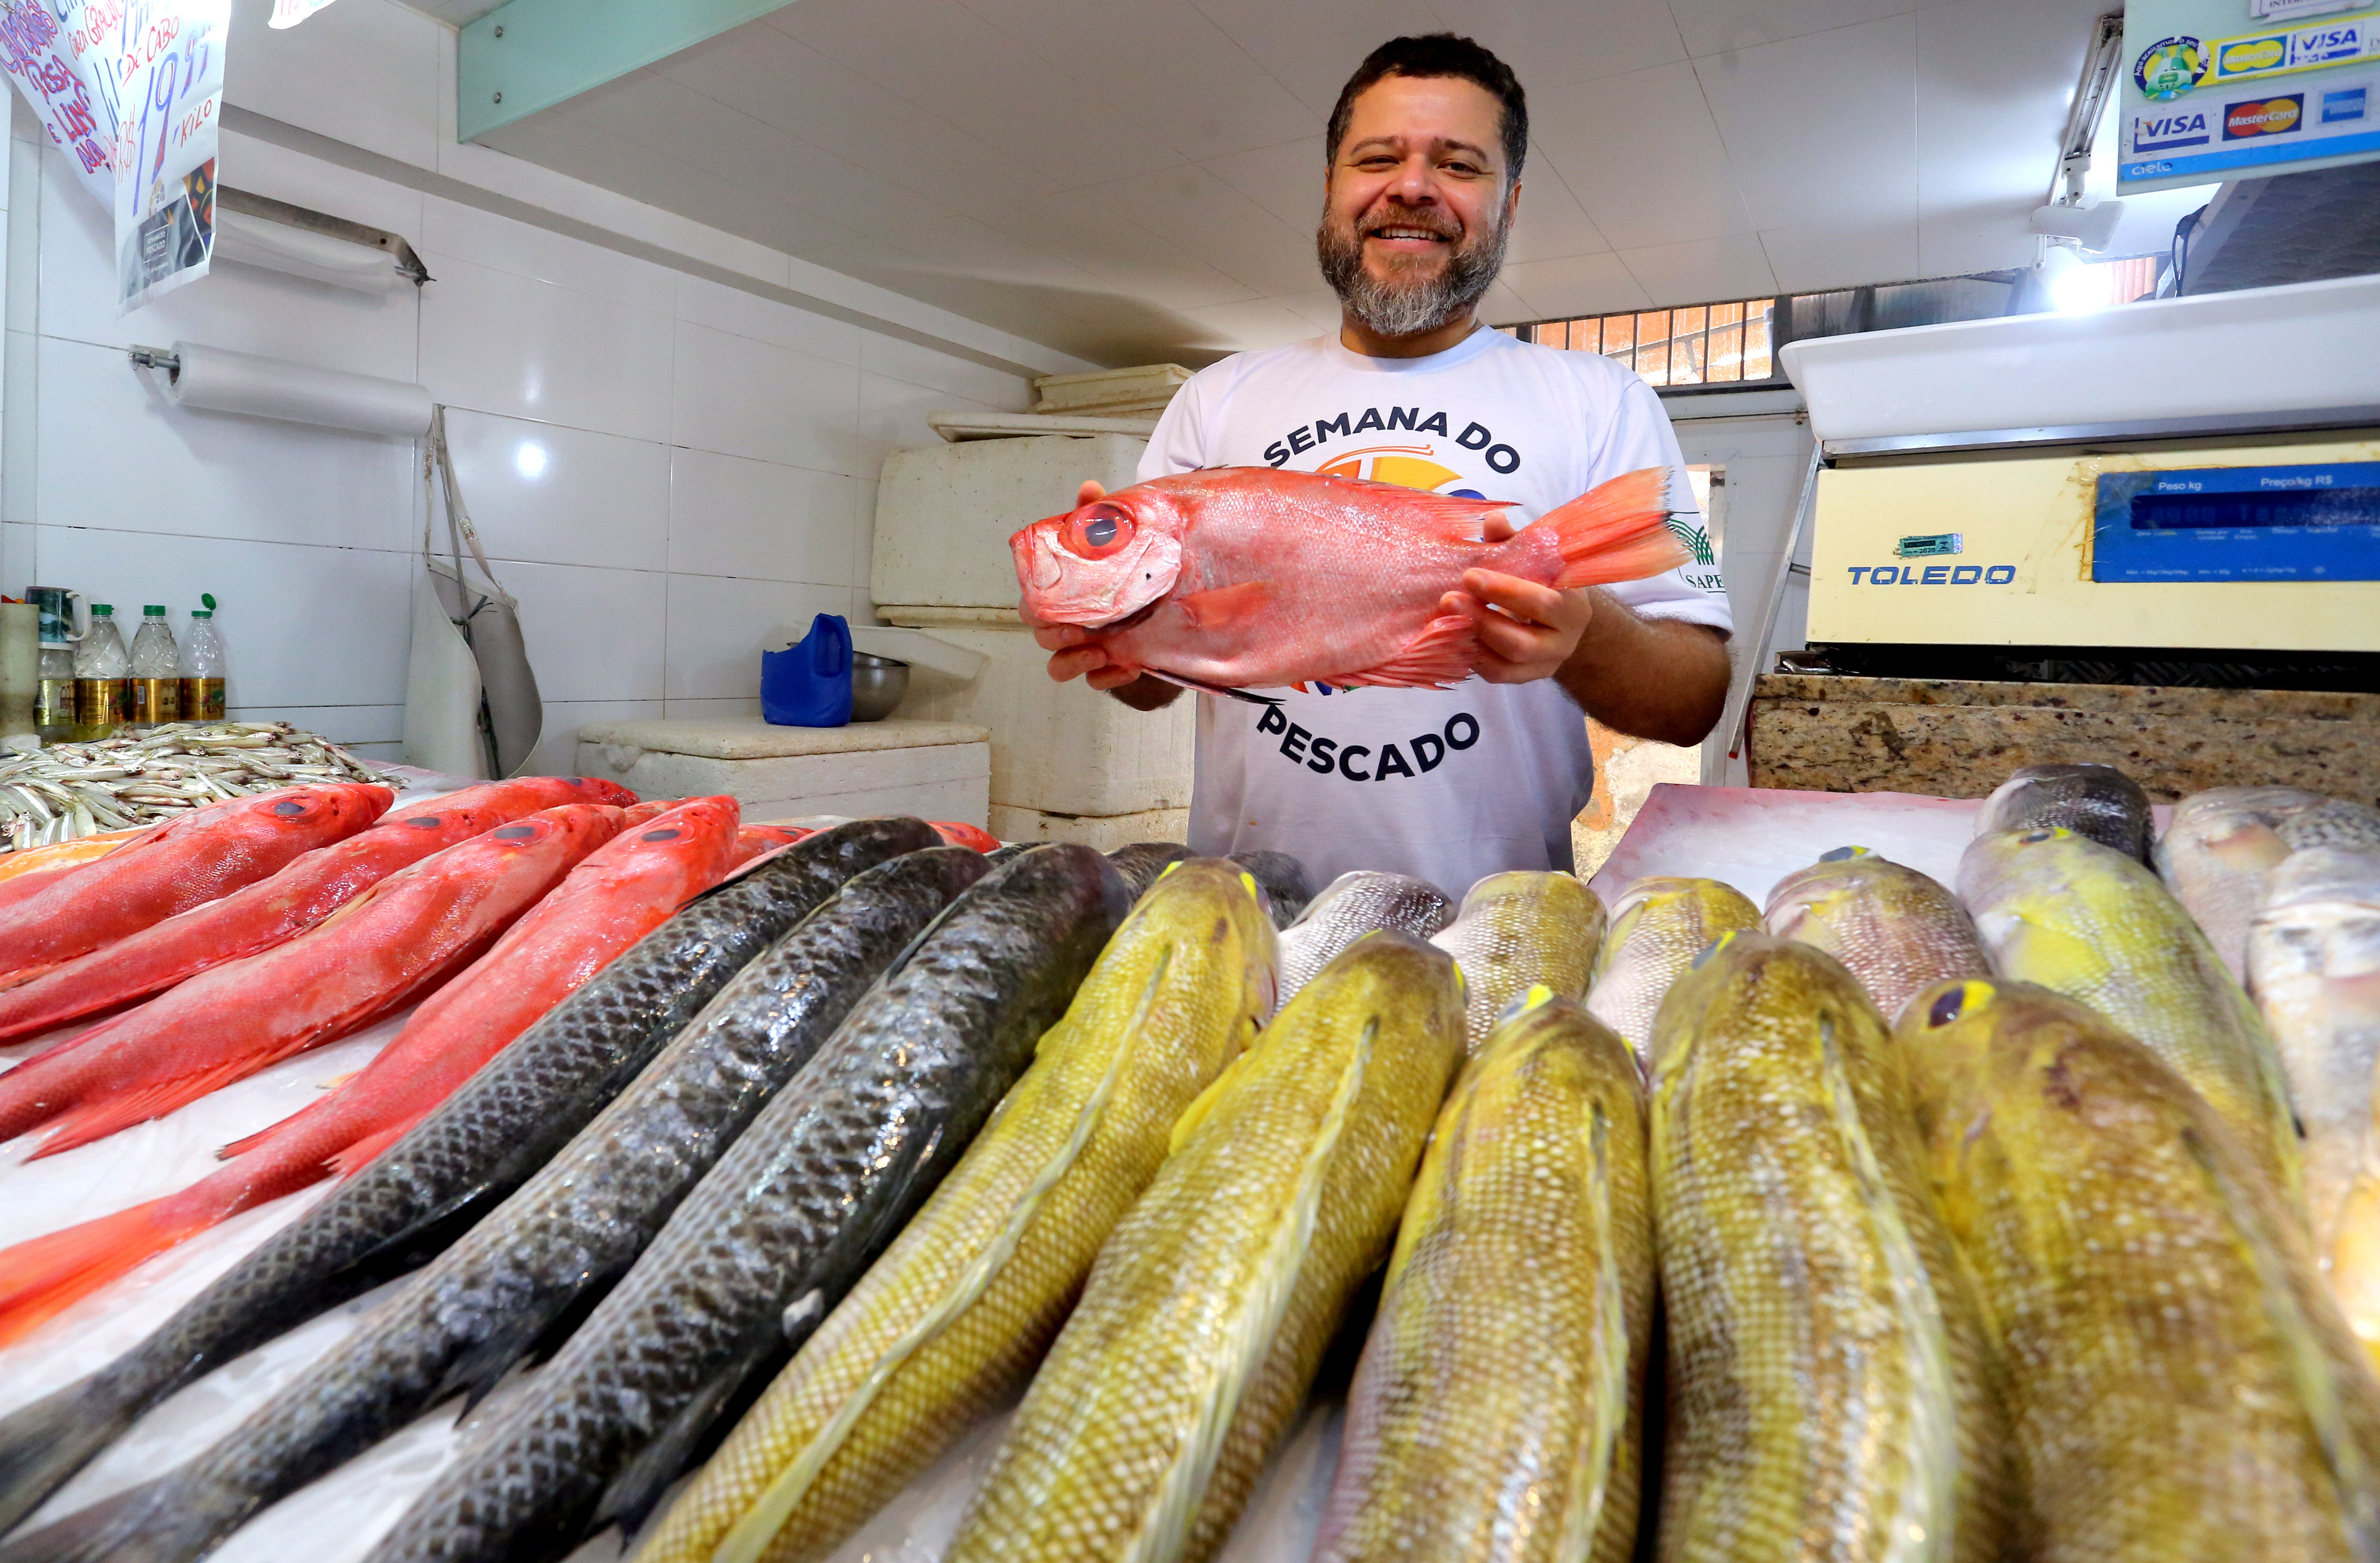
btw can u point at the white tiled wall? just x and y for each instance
(671, 473)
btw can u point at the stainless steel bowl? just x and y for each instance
(877, 685)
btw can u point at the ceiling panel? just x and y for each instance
(1716, 27)
(1141, 178)
(1643, 156)
(1551, 223)
(1699, 271)
(1825, 255)
(1194, 211)
(1554, 44)
(945, 60)
(1821, 128)
(1576, 285)
(1164, 64)
(1312, 46)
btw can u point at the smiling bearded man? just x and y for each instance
(1422, 183)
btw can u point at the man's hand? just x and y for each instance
(1072, 657)
(1526, 631)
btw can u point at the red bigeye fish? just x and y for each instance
(184, 862)
(1249, 577)
(276, 910)
(375, 954)
(621, 892)
(965, 835)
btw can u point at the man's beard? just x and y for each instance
(1406, 305)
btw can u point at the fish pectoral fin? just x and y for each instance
(1439, 656)
(635, 1493)
(1221, 606)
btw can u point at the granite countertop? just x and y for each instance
(2252, 705)
(758, 740)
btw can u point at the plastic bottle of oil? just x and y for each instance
(156, 670)
(203, 664)
(102, 671)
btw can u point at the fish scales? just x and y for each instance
(1207, 1315)
(951, 1322)
(1349, 907)
(1142, 861)
(572, 1229)
(1828, 1395)
(1892, 927)
(1496, 1415)
(2059, 910)
(2095, 801)
(1284, 880)
(786, 1221)
(2224, 841)
(410, 1201)
(2313, 965)
(1516, 931)
(1658, 926)
(2181, 1388)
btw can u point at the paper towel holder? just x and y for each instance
(155, 359)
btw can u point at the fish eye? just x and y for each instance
(1844, 855)
(1953, 1002)
(1098, 530)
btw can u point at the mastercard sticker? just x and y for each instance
(2265, 117)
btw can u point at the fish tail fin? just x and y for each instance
(96, 1120)
(351, 1159)
(43, 1277)
(1617, 531)
(1439, 656)
(43, 1444)
(151, 1524)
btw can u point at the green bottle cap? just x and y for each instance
(154, 610)
(103, 610)
(202, 613)
(209, 599)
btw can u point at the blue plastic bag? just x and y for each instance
(808, 683)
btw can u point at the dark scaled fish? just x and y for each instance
(1349, 907)
(2096, 801)
(1142, 861)
(571, 1230)
(1284, 880)
(769, 1242)
(417, 1197)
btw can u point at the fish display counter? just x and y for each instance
(854, 1196)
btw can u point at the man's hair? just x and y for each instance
(1439, 55)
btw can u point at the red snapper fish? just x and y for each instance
(617, 894)
(1250, 577)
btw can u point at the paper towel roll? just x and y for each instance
(253, 241)
(222, 381)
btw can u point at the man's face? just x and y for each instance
(1416, 208)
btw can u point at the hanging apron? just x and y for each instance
(471, 705)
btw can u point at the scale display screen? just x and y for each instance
(2317, 523)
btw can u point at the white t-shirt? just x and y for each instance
(1448, 785)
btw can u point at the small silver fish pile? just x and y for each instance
(137, 779)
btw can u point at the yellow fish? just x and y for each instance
(1494, 1416)
(2181, 1387)
(1518, 930)
(950, 1321)
(1658, 926)
(1207, 1315)
(1828, 1390)
(1894, 928)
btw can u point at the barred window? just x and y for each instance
(1702, 345)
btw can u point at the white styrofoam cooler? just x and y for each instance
(944, 513)
(2303, 347)
(933, 769)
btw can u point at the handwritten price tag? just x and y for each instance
(169, 72)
